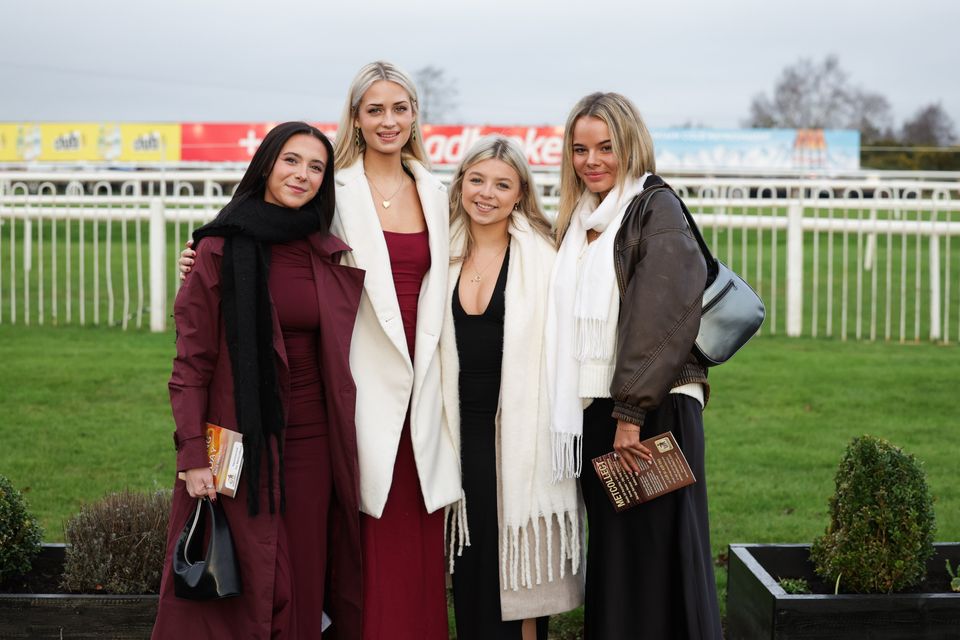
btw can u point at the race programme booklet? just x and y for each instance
(667, 472)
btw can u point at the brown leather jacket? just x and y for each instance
(661, 274)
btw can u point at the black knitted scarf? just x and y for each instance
(249, 226)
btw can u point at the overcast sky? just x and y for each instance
(514, 61)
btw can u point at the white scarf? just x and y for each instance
(581, 296)
(532, 505)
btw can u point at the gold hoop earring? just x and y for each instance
(357, 137)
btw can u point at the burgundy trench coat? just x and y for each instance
(201, 390)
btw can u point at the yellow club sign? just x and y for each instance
(147, 142)
(65, 141)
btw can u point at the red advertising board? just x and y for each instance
(448, 144)
(227, 142)
(445, 144)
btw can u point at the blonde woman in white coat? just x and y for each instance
(523, 559)
(394, 214)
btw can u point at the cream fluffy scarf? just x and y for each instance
(532, 505)
(581, 296)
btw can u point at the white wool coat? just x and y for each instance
(388, 383)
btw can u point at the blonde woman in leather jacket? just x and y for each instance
(623, 316)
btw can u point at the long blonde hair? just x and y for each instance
(632, 145)
(501, 148)
(350, 144)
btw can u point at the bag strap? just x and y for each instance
(645, 196)
(193, 528)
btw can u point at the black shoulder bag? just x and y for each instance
(216, 575)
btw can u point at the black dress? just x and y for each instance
(659, 581)
(476, 577)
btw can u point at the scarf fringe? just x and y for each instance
(456, 531)
(567, 456)
(590, 339)
(517, 567)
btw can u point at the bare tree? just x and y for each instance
(438, 95)
(929, 126)
(810, 95)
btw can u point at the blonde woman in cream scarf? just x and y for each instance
(515, 539)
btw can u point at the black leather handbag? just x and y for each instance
(216, 575)
(731, 311)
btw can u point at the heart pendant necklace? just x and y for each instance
(384, 201)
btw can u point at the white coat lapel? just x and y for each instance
(357, 224)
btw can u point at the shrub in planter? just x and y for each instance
(881, 521)
(20, 535)
(117, 544)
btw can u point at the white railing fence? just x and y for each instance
(865, 258)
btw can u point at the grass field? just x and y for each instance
(84, 411)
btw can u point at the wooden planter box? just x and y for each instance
(757, 607)
(59, 615)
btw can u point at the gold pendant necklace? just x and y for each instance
(385, 202)
(478, 275)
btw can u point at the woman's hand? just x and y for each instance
(627, 446)
(186, 260)
(200, 483)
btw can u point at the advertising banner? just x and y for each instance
(147, 143)
(227, 142)
(65, 142)
(8, 142)
(446, 145)
(757, 148)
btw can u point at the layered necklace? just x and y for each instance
(384, 201)
(478, 274)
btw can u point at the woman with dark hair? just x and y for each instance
(264, 326)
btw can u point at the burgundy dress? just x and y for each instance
(308, 477)
(404, 581)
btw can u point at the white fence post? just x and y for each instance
(158, 266)
(935, 332)
(27, 265)
(795, 269)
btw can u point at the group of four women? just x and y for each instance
(418, 378)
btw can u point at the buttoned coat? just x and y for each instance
(388, 382)
(201, 391)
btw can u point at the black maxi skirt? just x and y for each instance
(649, 569)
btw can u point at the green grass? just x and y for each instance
(84, 411)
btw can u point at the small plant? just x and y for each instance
(881, 521)
(20, 535)
(117, 544)
(794, 586)
(954, 577)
